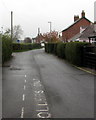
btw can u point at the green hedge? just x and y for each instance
(61, 50)
(25, 46)
(72, 51)
(6, 48)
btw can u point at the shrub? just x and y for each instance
(74, 52)
(49, 47)
(6, 48)
(55, 48)
(61, 50)
(25, 46)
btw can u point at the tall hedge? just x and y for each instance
(25, 46)
(6, 48)
(74, 52)
(61, 50)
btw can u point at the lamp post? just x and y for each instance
(50, 25)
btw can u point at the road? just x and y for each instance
(40, 85)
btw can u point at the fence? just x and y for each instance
(89, 57)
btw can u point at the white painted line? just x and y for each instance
(43, 110)
(24, 87)
(25, 81)
(40, 91)
(25, 75)
(42, 115)
(22, 112)
(43, 104)
(23, 97)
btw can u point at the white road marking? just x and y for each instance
(23, 98)
(24, 87)
(47, 109)
(43, 104)
(22, 112)
(42, 115)
(40, 91)
(25, 75)
(25, 81)
(42, 110)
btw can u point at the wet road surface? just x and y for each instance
(40, 85)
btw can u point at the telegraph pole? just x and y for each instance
(12, 25)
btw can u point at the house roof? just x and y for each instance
(88, 32)
(76, 23)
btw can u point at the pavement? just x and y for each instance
(40, 85)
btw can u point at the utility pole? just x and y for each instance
(50, 26)
(12, 25)
(38, 31)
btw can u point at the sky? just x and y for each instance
(34, 14)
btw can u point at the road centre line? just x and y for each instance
(25, 81)
(23, 98)
(22, 112)
(24, 87)
(25, 75)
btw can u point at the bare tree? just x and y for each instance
(17, 32)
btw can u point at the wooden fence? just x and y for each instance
(89, 57)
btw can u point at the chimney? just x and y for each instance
(83, 13)
(76, 17)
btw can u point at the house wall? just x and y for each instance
(75, 29)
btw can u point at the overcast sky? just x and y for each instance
(31, 14)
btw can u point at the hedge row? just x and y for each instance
(6, 48)
(73, 51)
(25, 46)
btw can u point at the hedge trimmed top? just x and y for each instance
(73, 51)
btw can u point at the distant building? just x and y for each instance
(27, 40)
(39, 38)
(79, 25)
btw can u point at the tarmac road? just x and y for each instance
(40, 85)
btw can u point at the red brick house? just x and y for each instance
(74, 29)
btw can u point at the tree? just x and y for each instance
(51, 37)
(17, 32)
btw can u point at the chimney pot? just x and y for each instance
(83, 13)
(76, 17)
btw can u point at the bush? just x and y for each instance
(49, 47)
(6, 48)
(61, 50)
(25, 46)
(74, 52)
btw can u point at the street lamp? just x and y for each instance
(50, 26)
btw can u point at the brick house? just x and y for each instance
(74, 29)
